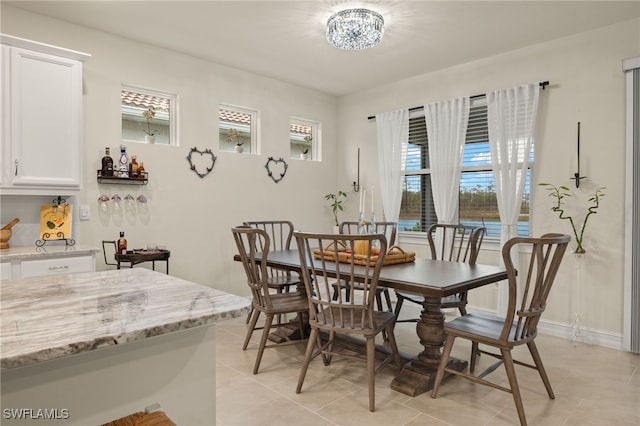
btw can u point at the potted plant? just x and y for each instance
(307, 145)
(233, 137)
(149, 136)
(562, 192)
(336, 200)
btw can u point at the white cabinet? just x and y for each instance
(42, 117)
(29, 261)
(5, 271)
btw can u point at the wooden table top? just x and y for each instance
(434, 278)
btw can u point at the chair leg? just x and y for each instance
(394, 346)
(463, 310)
(263, 341)
(252, 326)
(387, 299)
(307, 357)
(474, 355)
(371, 372)
(399, 301)
(513, 382)
(533, 349)
(379, 301)
(446, 352)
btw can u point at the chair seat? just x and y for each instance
(380, 320)
(285, 302)
(282, 281)
(484, 328)
(451, 301)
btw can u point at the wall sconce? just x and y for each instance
(356, 183)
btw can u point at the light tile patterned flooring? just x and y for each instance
(593, 386)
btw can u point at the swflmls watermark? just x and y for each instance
(35, 413)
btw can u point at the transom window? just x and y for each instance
(304, 138)
(477, 196)
(148, 116)
(237, 126)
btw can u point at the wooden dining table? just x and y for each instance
(434, 279)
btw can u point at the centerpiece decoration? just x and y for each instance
(559, 194)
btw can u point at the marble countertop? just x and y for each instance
(51, 317)
(45, 252)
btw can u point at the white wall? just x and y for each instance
(190, 215)
(587, 85)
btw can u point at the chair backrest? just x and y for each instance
(106, 243)
(280, 236)
(359, 273)
(253, 249)
(524, 311)
(455, 243)
(280, 232)
(389, 229)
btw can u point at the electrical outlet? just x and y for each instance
(84, 212)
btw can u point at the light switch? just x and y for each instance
(84, 212)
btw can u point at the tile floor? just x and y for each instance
(593, 386)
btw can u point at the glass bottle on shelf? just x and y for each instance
(107, 163)
(141, 171)
(133, 167)
(123, 163)
(122, 244)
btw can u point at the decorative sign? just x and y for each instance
(276, 167)
(201, 161)
(55, 222)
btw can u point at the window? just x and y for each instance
(148, 116)
(477, 196)
(237, 127)
(304, 136)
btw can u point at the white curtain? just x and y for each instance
(512, 118)
(393, 137)
(447, 130)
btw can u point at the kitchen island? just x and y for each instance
(88, 348)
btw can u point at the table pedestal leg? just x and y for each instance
(418, 375)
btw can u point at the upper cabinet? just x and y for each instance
(41, 118)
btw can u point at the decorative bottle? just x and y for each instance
(133, 167)
(107, 163)
(122, 244)
(373, 229)
(123, 163)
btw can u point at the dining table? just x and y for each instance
(434, 279)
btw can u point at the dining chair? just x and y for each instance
(389, 230)
(452, 243)
(253, 248)
(355, 316)
(519, 325)
(281, 235)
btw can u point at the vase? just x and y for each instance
(238, 149)
(150, 138)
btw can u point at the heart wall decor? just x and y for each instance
(201, 161)
(276, 169)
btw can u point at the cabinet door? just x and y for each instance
(46, 112)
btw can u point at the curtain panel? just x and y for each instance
(393, 136)
(447, 129)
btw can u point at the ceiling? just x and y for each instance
(286, 39)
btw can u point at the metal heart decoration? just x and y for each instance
(276, 169)
(201, 161)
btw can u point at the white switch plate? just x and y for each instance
(84, 212)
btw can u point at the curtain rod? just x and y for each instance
(543, 84)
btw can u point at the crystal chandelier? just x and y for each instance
(355, 29)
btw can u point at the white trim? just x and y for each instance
(43, 48)
(603, 338)
(628, 65)
(631, 63)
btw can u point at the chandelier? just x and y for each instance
(355, 29)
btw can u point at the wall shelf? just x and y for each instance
(141, 180)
